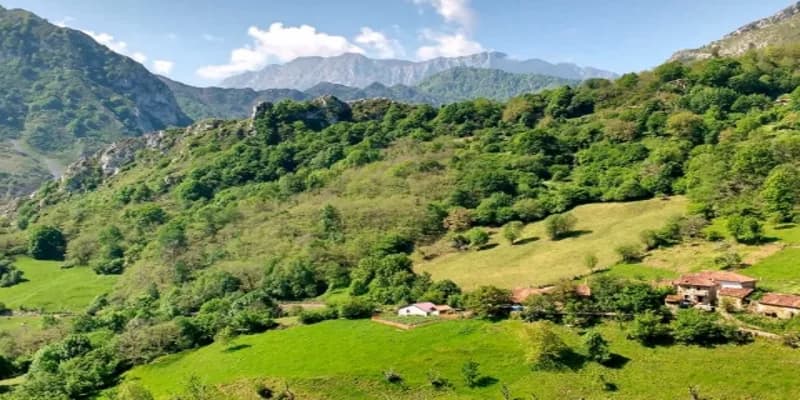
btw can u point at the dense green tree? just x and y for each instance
(596, 347)
(745, 229)
(512, 231)
(558, 226)
(489, 302)
(781, 192)
(47, 243)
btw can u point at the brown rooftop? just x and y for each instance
(735, 292)
(519, 295)
(781, 300)
(712, 278)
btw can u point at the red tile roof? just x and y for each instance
(583, 290)
(673, 298)
(781, 300)
(735, 292)
(711, 278)
(519, 295)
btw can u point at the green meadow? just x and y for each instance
(53, 289)
(346, 359)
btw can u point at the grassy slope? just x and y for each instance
(344, 360)
(542, 261)
(779, 272)
(54, 289)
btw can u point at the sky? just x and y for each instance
(201, 42)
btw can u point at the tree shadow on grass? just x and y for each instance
(487, 246)
(485, 381)
(788, 225)
(617, 361)
(526, 240)
(237, 347)
(574, 234)
(572, 360)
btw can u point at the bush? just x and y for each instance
(546, 350)
(630, 253)
(597, 347)
(47, 243)
(647, 328)
(512, 231)
(470, 371)
(745, 229)
(477, 237)
(559, 225)
(489, 302)
(698, 327)
(356, 308)
(309, 317)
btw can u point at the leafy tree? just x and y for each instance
(686, 126)
(558, 226)
(331, 226)
(47, 243)
(477, 237)
(172, 239)
(596, 347)
(356, 308)
(745, 229)
(647, 328)
(781, 192)
(512, 231)
(630, 253)
(489, 302)
(470, 372)
(541, 307)
(697, 327)
(545, 349)
(9, 274)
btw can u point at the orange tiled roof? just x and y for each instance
(781, 300)
(711, 278)
(735, 292)
(519, 295)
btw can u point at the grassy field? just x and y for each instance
(640, 272)
(345, 360)
(779, 272)
(54, 289)
(539, 260)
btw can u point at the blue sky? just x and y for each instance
(202, 41)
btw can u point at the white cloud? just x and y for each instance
(456, 40)
(379, 44)
(140, 57)
(108, 40)
(279, 43)
(162, 67)
(447, 45)
(63, 22)
(453, 11)
(211, 38)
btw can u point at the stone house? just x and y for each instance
(779, 305)
(710, 288)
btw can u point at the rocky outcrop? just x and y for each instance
(781, 28)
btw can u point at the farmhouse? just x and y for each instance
(779, 305)
(423, 309)
(709, 288)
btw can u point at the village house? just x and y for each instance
(712, 288)
(779, 305)
(425, 309)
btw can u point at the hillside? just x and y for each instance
(356, 70)
(62, 95)
(782, 28)
(602, 227)
(209, 227)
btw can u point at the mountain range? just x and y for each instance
(360, 71)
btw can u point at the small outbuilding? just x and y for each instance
(425, 309)
(779, 305)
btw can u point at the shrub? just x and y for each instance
(477, 237)
(630, 253)
(489, 302)
(314, 316)
(559, 225)
(512, 231)
(697, 327)
(47, 243)
(745, 229)
(356, 308)
(546, 350)
(470, 372)
(648, 329)
(596, 347)
(392, 376)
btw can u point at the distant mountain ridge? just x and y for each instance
(455, 84)
(780, 28)
(359, 71)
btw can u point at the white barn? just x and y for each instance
(421, 309)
